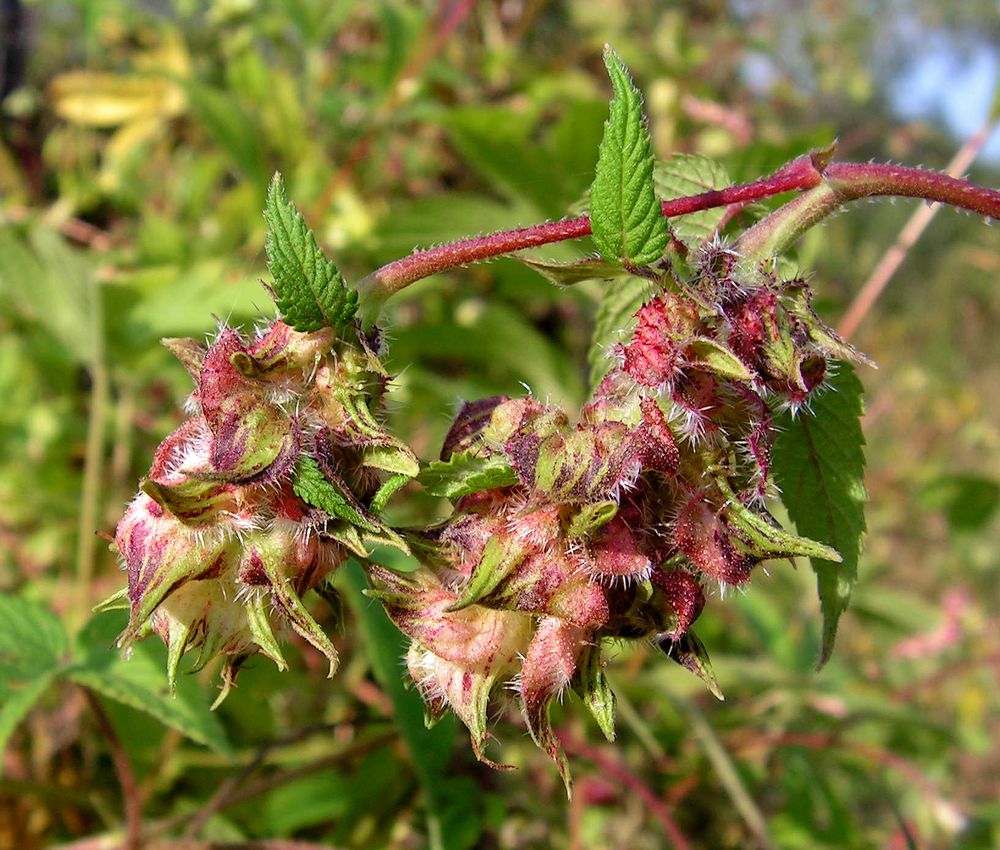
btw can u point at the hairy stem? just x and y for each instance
(851, 181)
(908, 236)
(826, 186)
(802, 173)
(123, 768)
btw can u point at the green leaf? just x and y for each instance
(32, 643)
(314, 488)
(465, 473)
(613, 323)
(691, 654)
(430, 749)
(624, 212)
(139, 683)
(335, 498)
(575, 271)
(819, 465)
(308, 289)
(221, 114)
(691, 174)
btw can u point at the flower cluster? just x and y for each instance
(564, 534)
(258, 496)
(612, 527)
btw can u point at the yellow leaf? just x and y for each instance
(109, 100)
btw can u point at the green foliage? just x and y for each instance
(389, 146)
(35, 653)
(464, 473)
(819, 466)
(137, 681)
(314, 488)
(308, 289)
(32, 645)
(624, 212)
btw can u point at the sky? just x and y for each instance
(956, 88)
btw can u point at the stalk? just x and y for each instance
(826, 186)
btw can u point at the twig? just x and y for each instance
(449, 18)
(235, 795)
(614, 768)
(123, 768)
(228, 788)
(802, 173)
(908, 236)
(826, 187)
(726, 771)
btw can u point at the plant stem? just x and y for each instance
(123, 769)
(93, 472)
(851, 181)
(611, 767)
(829, 185)
(802, 173)
(908, 236)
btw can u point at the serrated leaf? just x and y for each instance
(625, 216)
(613, 323)
(818, 464)
(314, 488)
(32, 643)
(464, 473)
(574, 271)
(691, 174)
(335, 498)
(138, 682)
(308, 289)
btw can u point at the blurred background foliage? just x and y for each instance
(136, 140)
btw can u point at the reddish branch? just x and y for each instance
(123, 768)
(611, 767)
(825, 186)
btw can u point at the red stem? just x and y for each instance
(831, 185)
(799, 174)
(123, 768)
(613, 768)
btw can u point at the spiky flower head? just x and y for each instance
(258, 497)
(613, 526)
